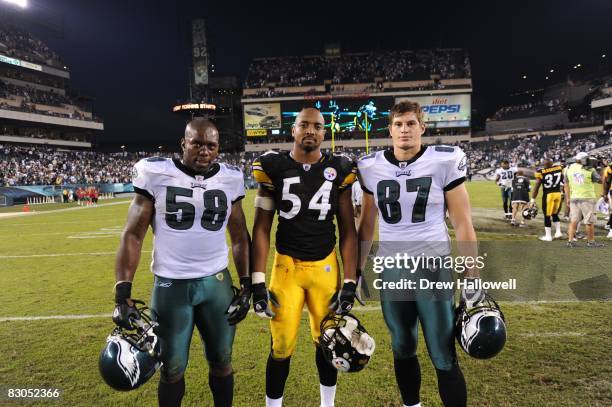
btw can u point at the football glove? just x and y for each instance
(471, 297)
(342, 302)
(239, 307)
(125, 312)
(262, 299)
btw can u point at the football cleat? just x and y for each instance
(481, 331)
(131, 357)
(345, 343)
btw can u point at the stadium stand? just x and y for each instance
(18, 43)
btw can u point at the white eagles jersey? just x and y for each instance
(191, 214)
(506, 176)
(410, 194)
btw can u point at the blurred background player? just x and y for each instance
(551, 179)
(520, 197)
(606, 193)
(503, 177)
(579, 185)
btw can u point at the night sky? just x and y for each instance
(133, 56)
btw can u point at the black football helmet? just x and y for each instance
(345, 343)
(530, 212)
(481, 330)
(131, 357)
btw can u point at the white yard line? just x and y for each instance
(367, 308)
(27, 256)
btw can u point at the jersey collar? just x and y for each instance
(389, 156)
(212, 170)
(323, 158)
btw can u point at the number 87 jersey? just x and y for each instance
(410, 194)
(306, 199)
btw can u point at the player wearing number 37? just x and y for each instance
(189, 204)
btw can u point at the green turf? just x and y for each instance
(558, 354)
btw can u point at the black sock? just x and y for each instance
(170, 394)
(408, 376)
(276, 376)
(222, 388)
(451, 386)
(328, 375)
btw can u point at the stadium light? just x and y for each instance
(547, 78)
(524, 76)
(552, 70)
(603, 55)
(20, 3)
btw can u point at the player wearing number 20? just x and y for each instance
(411, 187)
(189, 204)
(307, 189)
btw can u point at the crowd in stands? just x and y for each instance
(33, 95)
(18, 43)
(29, 165)
(359, 68)
(539, 108)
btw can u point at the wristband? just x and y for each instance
(123, 291)
(258, 277)
(349, 280)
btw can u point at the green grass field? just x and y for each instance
(60, 263)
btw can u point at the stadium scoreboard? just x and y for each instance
(356, 114)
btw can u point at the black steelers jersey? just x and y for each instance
(306, 200)
(551, 178)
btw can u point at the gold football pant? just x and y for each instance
(295, 283)
(551, 203)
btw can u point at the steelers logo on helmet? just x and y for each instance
(345, 343)
(481, 331)
(330, 173)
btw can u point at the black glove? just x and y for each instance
(125, 308)
(342, 302)
(239, 307)
(261, 299)
(471, 297)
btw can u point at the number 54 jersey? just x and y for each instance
(410, 194)
(191, 213)
(306, 199)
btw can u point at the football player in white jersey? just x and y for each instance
(410, 188)
(356, 196)
(189, 204)
(504, 177)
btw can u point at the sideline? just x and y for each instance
(76, 208)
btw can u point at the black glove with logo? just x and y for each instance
(342, 302)
(239, 307)
(261, 301)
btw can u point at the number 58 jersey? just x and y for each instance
(410, 194)
(191, 214)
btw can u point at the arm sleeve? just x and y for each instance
(141, 182)
(350, 177)
(240, 192)
(364, 179)
(456, 171)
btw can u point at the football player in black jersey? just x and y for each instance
(307, 189)
(551, 179)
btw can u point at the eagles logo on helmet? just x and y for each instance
(530, 213)
(481, 330)
(345, 343)
(131, 357)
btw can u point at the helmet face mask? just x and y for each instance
(530, 213)
(131, 357)
(481, 331)
(345, 343)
